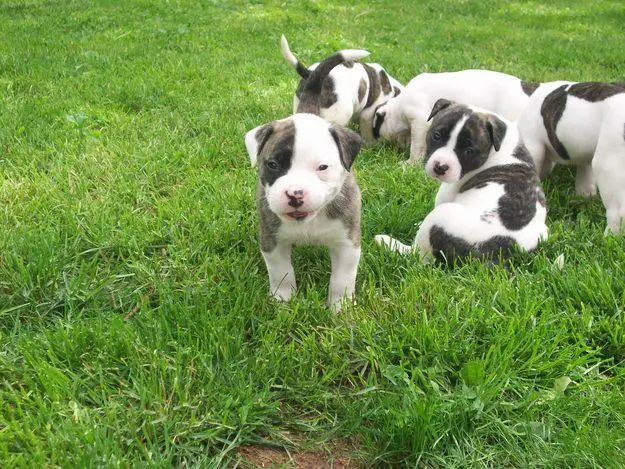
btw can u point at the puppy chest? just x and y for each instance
(318, 231)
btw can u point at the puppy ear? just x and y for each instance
(496, 129)
(348, 142)
(255, 140)
(439, 105)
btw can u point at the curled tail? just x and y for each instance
(313, 79)
(292, 60)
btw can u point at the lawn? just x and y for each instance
(135, 326)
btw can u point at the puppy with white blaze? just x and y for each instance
(581, 124)
(490, 202)
(340, 89)
(306, 193)
(407, 114)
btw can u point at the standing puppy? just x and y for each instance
(340, 89)
(581, 124)
(307, 194)
(490, 200)
(408, 113)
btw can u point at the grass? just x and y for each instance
(135, 326)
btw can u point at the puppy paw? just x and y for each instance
(383, 240)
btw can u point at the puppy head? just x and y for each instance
(302, 163)
(386, 123)
(460, 139)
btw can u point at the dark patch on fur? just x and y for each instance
(302, 71)
(551, 112)
(439, 105)
(346, 207)
(269, 221)
(378, 120)
(442, 127)
(349, 63)
(529, 87)
(327, 97)
(517, 206)
(396, 91)
(447, 247)
(476, 136)
(277, 150)
(362, 89)
(300, 88)
(385, 83)
(348, 143)
(496, 129)
(521, 153)
(594, 91)
(374, 85)
(314, 85)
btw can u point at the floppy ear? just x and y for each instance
(496, 129)
(439, 105)
(255, 140)
(348, 142)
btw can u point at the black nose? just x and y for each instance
(440, 169)
(295, 199)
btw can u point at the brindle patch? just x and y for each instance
(385, 83)
(274, 156)
(346, 207)
(349, 63)
(442, 127)
(551, 112)
(348, 143)
(521, 153)
(362, 89)
(450, 248)
(327, 97)
(477, 138)
(269, 221)
(517, 206)
(374, 85)
(594, 91)
(529, 87)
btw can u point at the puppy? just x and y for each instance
(490, 201)
(407, 113)
(340, 89)
(306, 194)
(581, 124)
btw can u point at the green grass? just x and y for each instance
(135, 327)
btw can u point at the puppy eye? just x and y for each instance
(272, 165)
(322, 167)
(469, 151)
(436, 136)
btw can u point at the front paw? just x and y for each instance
(337, 303)
(282, 294)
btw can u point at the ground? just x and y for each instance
(135, 327)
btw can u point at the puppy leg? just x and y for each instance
(585, 181)
(345, 257)
(546, 168)
(281, 276)
(418, 130)
(366, 126)
(608, 166)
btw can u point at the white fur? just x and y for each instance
(594, 135)
(494, 91)
(472, 215)
(348, 108)
(314, 146)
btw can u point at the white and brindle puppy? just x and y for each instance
(581, 124)
(340, 89)
(306, 193)
(407, 113)
(490, 202)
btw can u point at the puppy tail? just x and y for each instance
(291, 59)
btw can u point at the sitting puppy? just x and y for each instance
(406, 115)
(341, 90)
(581, 124)
(490, 200)
(307, 194)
